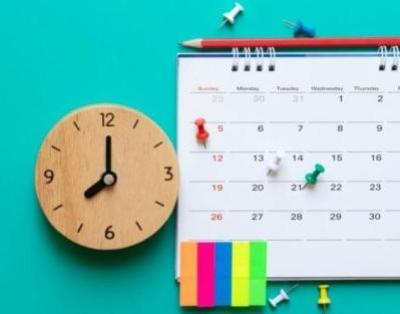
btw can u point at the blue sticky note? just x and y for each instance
(223, 274)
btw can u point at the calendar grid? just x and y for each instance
(341, 112)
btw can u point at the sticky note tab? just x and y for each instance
(240, 273)
(258, 283)
(188, 274)
(223, 273)
(205, 274)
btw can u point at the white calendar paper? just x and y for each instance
(339, 110)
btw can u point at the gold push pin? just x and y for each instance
(324, 299)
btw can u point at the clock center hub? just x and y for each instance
(110, 178)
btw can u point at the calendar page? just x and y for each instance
(339, 110)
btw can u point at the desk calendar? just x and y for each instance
(337, 109)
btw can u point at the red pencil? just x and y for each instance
(320, 42)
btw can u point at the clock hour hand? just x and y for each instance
(95, 188)
(107, 179)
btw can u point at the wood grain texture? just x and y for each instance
(132, 206)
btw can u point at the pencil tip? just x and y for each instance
(192, 43)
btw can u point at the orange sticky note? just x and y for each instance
(188, 274)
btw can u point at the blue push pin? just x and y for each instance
(300, 30)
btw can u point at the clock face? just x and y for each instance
(107, 177)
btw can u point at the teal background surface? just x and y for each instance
(59, 55)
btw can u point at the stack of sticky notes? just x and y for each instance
(223, 273)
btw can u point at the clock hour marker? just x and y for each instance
(58, 207)
(77, 126)
(80, 228)
(158, 144)
(55, 148)
(135, 124)
(159, 203)
(138, 225)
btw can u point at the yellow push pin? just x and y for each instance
(324, 299)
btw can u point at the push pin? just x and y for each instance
(231, 15)
(202, 134)
(299, 29)
(282, 296)
(274, 164)
(312, 177)
(324, 299)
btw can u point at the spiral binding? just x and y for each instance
(382, 51)
(395, 53)
(259, 59)
(272, 58)
(261, 56)
(247, 59)
(389, 56)
(235, 59)
(266, 59)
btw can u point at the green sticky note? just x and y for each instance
(258, 273)
(258, 292)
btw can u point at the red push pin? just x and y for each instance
(202, 134)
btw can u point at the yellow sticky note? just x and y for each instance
(240, 273)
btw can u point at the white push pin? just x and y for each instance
(274, 164)
(282, 296)
(230, 15)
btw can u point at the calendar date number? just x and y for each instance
(216, 216)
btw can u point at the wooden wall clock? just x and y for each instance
(107, 177)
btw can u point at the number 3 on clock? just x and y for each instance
(168, 174)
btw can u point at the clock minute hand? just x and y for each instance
(108, 178)
(108, 153)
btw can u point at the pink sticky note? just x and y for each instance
(205, 274)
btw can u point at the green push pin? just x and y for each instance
(312, 177)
